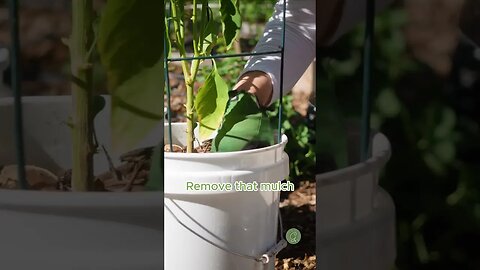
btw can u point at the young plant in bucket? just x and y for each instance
(219, 119)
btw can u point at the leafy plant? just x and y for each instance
(208, 106)
(433, 125)
(81, 44)
(130, 40)
(301, 139)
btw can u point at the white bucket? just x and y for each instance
(220, 230)
(59, 230)
(355, 221)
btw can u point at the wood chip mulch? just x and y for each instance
(298, 211)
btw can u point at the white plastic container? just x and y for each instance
(218, 230)
(355, 217)
(63, 231)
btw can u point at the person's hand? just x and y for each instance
(257, 83)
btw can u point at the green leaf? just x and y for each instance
(445, 151)
(433, 162)
(210, 103)
(137, 107)
(245, 126)
(231, 20)
(179, 6)
(204, 21)
(130, 37)
(131, 46)
(332, 144)
(208, 44)
(446, 123)
(388, 103)
(167, 41)
(210, 35)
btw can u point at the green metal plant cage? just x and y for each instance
(281, 51)
(366, 97)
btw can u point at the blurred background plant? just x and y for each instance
(426, 98)
(301, 139)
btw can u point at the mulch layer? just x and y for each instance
(298, 211)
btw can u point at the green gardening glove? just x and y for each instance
(245, 125)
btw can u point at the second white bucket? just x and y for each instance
(208, 229)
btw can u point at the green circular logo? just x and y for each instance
(293, 236)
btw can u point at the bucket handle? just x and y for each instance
(264, 258)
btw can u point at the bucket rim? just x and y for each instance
(222, 155)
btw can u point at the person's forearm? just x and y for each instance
(261, 75)
(333, 19)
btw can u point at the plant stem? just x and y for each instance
(190, 120)
(191, 84)
(189, 74)
(190, 105)
(82, 94)
(179, 33)
(196, 35)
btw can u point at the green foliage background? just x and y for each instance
(433, 124)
